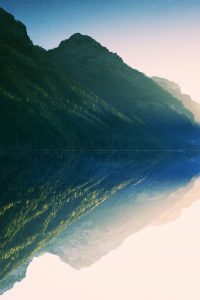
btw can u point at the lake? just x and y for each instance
(109, 223)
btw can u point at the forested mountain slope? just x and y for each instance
(81, 96)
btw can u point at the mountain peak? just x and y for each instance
(84, 47)
(79, 36)
(79, 39)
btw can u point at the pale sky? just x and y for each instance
(169, 49)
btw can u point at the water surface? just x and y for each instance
(82, 205)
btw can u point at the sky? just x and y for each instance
(157, 37)
(156, 263)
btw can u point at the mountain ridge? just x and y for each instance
(83, 99)
(46, 95)
(105, 74)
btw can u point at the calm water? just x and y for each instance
(82, 205)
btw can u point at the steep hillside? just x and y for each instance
(128, 90)
(81, 96)
(41, 108)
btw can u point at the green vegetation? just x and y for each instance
(40, 107)
(81, 96)
(76, 97)
(155, 114)
(43, 193)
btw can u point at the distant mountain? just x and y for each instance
(174, 89)
(81, 96)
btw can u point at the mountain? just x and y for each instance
(42, 108)
(81, 96)
(174, 89)
(78, 96)
(128, 90)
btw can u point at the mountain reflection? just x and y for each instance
(81, 205)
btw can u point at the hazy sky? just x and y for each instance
(157, 37)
